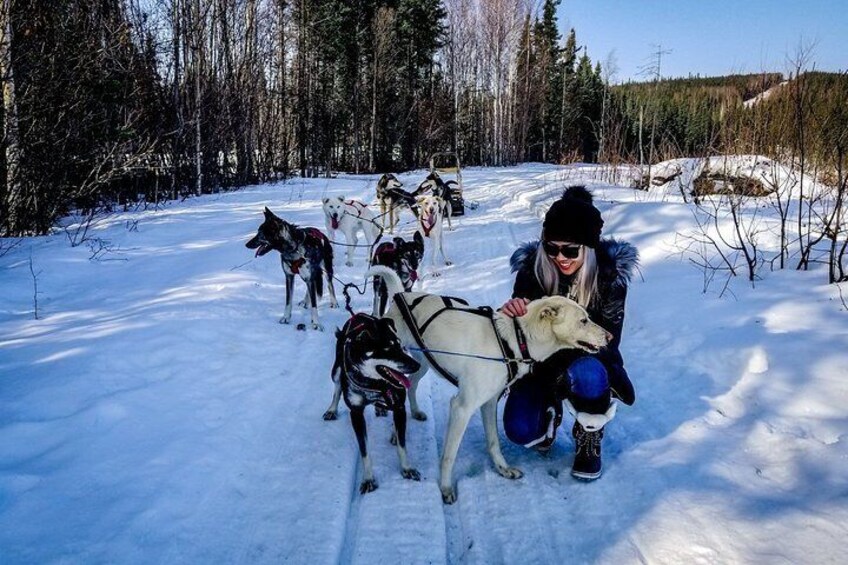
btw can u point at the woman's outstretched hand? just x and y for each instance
(515, 307)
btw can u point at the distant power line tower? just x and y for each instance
(652, 69)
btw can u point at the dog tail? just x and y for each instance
(393, 283)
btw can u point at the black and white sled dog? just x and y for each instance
(401, 256)
(440, 188)
(350, 217)
(370, 368)
(393, 198)
(431, 214)
(480, 341)
(305, 252)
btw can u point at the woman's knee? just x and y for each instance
(588, 378)
(524, 416)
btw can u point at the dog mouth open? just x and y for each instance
(395, 378)
(589, 347)
(262, 249)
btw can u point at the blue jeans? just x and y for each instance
(527, 414)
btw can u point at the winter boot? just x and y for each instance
(587, 455)
(588, 431)
(555, 419)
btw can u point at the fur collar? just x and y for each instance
(616, 260)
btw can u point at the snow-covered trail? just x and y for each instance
(159, 413)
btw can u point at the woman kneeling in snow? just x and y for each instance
(572, 260)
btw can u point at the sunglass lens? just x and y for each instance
(567, 251)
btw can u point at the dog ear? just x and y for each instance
(389, 323)
(418, 238)
(341, 198)
(325, 200)
(398, 241)
(269, 214)
(549, 312)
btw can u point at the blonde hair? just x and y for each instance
(585, 283)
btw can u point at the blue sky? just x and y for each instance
(709, 37)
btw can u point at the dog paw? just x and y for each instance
(411, 474)
(334, 304)
(349, 263)
(367, 486)
(436, 274)
(510, 472)
(448, 495)
(318, 327)
(420, 416)
(301, 304)
(448, 263)
(301, 327)
(330, 415)
(381, 412)
(285, 320)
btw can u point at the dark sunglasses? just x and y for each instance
(568, 251)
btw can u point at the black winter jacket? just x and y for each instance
(616, 261)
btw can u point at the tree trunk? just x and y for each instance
(13, 194)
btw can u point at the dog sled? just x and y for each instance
(448, 163)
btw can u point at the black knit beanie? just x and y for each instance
(574, 218)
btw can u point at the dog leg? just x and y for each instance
(331, 233)
(289, 291)
(489, 413)
(332, 412)
(351, 245)
(449, 213)
(460, 414)
(414, 379)
(357, 420)
(400, 433)
(333, 302)
(313, 307)
(433, 269)
(441, 240)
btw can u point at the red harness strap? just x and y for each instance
(296, 265)
(431, 224)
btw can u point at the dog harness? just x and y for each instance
(428, 225)
(358, 206)
(509, 359)
(387, 396)
(314, 233)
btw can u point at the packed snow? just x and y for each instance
(157, 412)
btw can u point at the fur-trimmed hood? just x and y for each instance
(616, 260)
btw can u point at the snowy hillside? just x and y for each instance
(158, 413)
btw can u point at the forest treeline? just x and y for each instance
(110, 102)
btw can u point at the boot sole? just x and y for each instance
(582, 476)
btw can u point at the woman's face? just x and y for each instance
(558, 252)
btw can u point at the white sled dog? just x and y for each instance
(351, 217)
(479, 340)
(431, 215)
